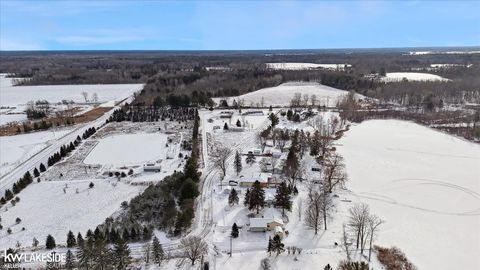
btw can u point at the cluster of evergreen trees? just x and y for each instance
(17, 187)
(152, 113)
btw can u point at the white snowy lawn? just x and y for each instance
(129, 149)
(426, 186)
(412, 76)
(45, 209)
(282, 95)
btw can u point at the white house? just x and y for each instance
(265, 224)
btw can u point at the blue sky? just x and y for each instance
(227, 25)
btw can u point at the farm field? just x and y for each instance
(424, 184)
(411, 76)
(282, 95)
(303, 66)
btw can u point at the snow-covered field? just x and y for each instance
(411, 76)
(45, 209)
(12, 118)
(16, 149)
(282, 95)
(426, 186)
(303, 66)
(129, 149)
(19, 95)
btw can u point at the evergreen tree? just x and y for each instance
(36, 173)
(282, 198)
(89, 235)
(269, 247)
(97, 234)
(246, 201)
(327, 267)
(85, 253)
(42, 167)
(101, 254)
(157, 250)
(238, 163)
(256, 197)
(126, 235)
(71, 242)
(50, 242)
(233, 197)
(79, 239)
(122, 258)
(225, 127)
(133, 234)
(273, 119)
(147, 234)
(250, 159)
(69, 260)
(239, 124)
(234, 232)
(277, 245)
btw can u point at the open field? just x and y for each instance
(411, 76)
(302, 66)
(424, 184)
(282, 95)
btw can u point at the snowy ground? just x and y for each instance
(12, 118)
(424, 184)
(282, 95)
(126, 149)
(16, 149)
(411, 76)
(302, 66)
(45, 209)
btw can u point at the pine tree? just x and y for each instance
(126, 235)
(246, 201)
(234, 232)
(36, 173)
(147, 234)
(69, 260)
(79, 239)
(239, 124)
(327, 267)
(225, 127)
(157, 250)
(122, 258)
(35, 242)
(256, 197)
(269, 247)
(42, 167)
(282, 198)
(102, 256)
(250, 159)
(50, 242)
(277, 245)
(238, 163)
(233, 197)
(274, 120)
(97, 234)
(133, 234)
(71, 242)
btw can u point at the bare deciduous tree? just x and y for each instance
(193, 248)
(85, 96)
(313, 213)
(313, 100)
(299, 209)
(334, 171)
(219, 158)
(346, 242)
(358, 222)
(373, 223)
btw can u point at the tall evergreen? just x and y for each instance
(50, 242)
(36, 173)
(69, 260)
(79, 239)
(238, 163)
(71, 242)
(233, 197)
(256, 197)
(234, 232)
(157, 250)
(277, 245)
(122, 258)
(246, 201)
(282, 198)
(42, 167)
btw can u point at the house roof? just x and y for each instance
(262, 178)
(259, 222)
